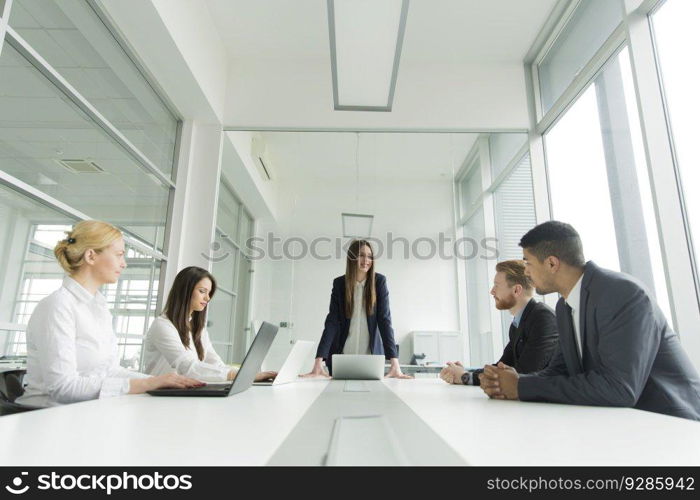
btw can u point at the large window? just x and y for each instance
(82, 135)
(677, 39)
(599, 182)
(228, 321)
(21, 248)
(589, 26)
(578, 180)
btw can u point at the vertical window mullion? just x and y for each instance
(628, 215)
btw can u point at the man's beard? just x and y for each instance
(505, 304)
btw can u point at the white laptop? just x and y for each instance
(358, 366)
(301, 352)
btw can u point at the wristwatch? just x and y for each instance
(467, 378)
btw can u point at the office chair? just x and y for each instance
(10, 389)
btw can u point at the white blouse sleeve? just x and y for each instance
(165, 338)
(55, 331)
(118, 372)
(210, 354)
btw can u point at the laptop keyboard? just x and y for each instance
(211, 387)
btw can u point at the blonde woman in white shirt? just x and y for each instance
(179, 341)
(72, 350)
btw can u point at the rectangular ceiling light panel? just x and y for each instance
(357, 225)
(366, 38)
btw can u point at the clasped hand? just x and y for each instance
(499, 382)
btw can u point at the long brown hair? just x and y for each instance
(177, 307)
(369, 298)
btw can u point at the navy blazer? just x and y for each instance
(631, 357)
(335, 331)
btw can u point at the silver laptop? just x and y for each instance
(358, 366)
(300, 353)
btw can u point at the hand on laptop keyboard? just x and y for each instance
(167, 381)
(265, 376)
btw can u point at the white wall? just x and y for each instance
(272, 298)
(193, 31)
(472, 96)
(239, 168)
(196, 199)
(422, 293)
(178, 44)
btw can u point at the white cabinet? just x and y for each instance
(432, 348)
(425, 346)
(449, 347)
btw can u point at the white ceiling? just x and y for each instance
(332, 155)
(461, 65)
(451, 31)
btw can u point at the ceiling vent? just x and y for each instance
(258, 151)
(81, 166)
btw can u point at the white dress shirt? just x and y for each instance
(72, 352)
(574, 302)
(164, 352)
(358, 334)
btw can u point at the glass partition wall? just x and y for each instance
(497, 209)
(228, 321)
(83, 135)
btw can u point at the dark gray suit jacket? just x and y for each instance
(631, 358)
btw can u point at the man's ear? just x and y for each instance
(518, 289)
(552, 263)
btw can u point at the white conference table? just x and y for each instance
(247, 429)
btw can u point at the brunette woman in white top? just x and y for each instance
(71, 347)
(178, 340)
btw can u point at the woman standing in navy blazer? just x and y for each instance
(359, 320)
